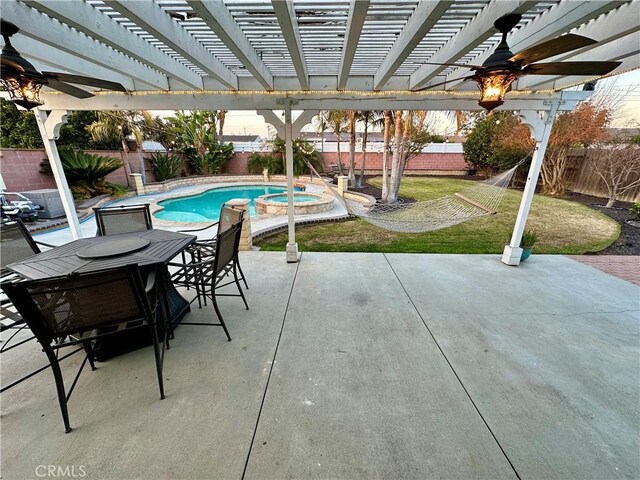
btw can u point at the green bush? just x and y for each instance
(85, 172)
(165, 165)
(303, 152)
(259, 161)
(485, 148)
(635, 211)
(213, 160)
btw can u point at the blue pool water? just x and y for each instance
(205, 207)
(298, 198)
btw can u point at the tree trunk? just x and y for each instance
(364, 154)
(339, 156)
(352, 147)
(385, 156)
(221, 117)
(141, 162)
(127, 167)
(553, 171)
(404, 157)
(395, 162)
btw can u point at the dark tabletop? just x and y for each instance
(62, 260)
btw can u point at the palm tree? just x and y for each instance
(337, 121)
(322, 125)
(368, 118)
(385, 156)
(221, 116)
(352, 114)
(124, 124)
(395, 161)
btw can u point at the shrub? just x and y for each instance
(635, 211)
(497, 142)
(165, 165)
(85, 172)
(259, 161)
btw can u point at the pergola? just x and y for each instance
(308, 55)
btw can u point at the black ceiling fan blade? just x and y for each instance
(571, 68)
(7, 63)
(461, 79)
(68, 89)
(551, 48)
(463, 65)
(81, 80)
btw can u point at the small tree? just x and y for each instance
(337, 123)
(368, 118)
(579, 128)
(618, 166)
(125, 125)
(275, 162)
(195, 135)
(497, 142)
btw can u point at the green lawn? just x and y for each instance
(562, 227)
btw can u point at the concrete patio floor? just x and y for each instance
(362, 366)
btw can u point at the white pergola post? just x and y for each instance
(287, 130)
(540, 131)
(292, 246)
(49, 131)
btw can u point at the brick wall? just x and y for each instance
(238, 164)
(20, 170)
(424, 162)
(20, 167)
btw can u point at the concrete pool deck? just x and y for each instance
(356, 365)
(259, 224)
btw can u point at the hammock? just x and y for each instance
(479, 200)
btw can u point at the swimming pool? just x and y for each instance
(205, 207)
(297, 198)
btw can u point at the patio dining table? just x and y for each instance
(150, 250)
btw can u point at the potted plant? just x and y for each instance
(529, 238)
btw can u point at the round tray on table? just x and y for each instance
(112, 248)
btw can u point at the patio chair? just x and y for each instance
(208, 273)
(207, 247)
(123, 219)
(16, 244)
(75, 310)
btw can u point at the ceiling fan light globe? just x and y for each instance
(493, 86)
(23, 91)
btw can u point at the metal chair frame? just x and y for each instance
(51, 341)
(10, 319)
(207, 247)
(102, 212)
(207, 275)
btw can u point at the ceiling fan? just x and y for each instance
(23, 81)
(495, 76)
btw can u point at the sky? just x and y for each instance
(625, 86)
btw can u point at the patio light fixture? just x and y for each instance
(19, 78)
(493, 87)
